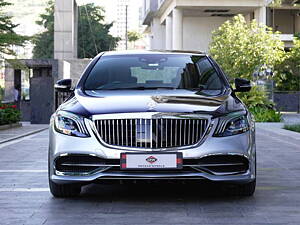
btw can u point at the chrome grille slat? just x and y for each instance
(136, 122)
(189, 131)
(180, 129)
(131, 144)
(176, 132)
(158, 133)
(141, 132)
(145, 133)
(161, 133)
(171, 134)
(113, 122)
(194, 138)
(166, 133)
(126, 128)
(197, 129)
(117, 133)
(122, 132)
(184, 133)
(104, 122)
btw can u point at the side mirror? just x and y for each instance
(63, 85)
(242, 85)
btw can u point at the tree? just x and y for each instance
(93, 34)
(288, 71)
(7, 35)
(133, 36)
(242, 49)
(277, 3)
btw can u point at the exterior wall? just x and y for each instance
(158, 34)
(188, 17)
(287, 102)
(197, 31)
(284, 21)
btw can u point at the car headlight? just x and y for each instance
(232, 124)
(70, 124)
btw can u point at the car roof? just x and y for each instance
(141, 52)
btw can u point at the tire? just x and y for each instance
(64, 190)
(247, 189)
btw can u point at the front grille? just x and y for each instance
(151, 133)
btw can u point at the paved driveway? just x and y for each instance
(25, 199)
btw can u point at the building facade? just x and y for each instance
(188, 24)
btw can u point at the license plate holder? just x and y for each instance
(151, 161)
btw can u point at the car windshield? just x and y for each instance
(155, 71)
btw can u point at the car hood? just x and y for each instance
(126, 101)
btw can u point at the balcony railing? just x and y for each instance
(150, 7)
(286, 37)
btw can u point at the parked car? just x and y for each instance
(151, 115)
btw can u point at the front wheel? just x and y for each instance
(64, 190)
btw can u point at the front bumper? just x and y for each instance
(243, 178)
(242, 145)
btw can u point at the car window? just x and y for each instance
(209, 77)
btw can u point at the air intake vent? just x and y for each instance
(82, 164)
(220, 164)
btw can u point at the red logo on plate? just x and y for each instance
(151, 159)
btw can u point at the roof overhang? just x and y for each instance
(167, 6)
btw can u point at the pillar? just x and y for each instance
(65, 29)
(260, 15)
(297, 23)
(177, 31)
(169, 32)
(157, 35)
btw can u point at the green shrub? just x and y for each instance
(259, 105)
(256, 97)
(294, 127)
(9, 114)
(288, 71)
(1, 93)
(262, 114)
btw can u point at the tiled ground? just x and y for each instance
(25, 199)
(26, 128)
